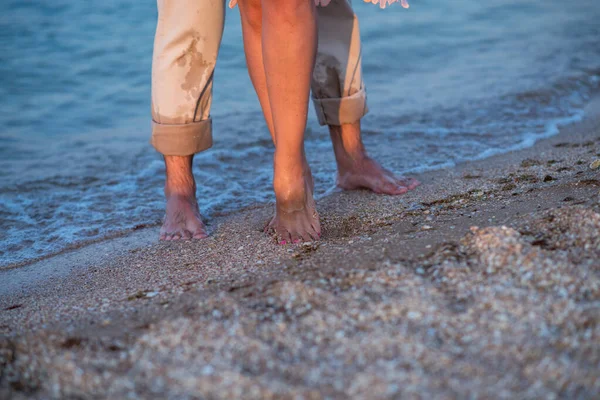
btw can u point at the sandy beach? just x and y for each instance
(482, 283)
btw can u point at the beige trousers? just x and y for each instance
(186, 45)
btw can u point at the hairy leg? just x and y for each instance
(356, 170)
(182, 218)
(186, 45)
(288, 37)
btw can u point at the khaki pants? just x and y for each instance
(188, 36)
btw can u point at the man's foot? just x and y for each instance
(366, 173)
(356, 170)
(296, 219)
(182, 218)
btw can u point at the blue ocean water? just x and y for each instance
(447, 82)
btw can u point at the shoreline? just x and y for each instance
(140, 236)
(432, 260)
(552, 130)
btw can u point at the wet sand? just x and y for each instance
(482, 283)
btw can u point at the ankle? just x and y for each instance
(179, 176)
(347, 145)
(181, 189)
(350, 159)
(290, 195)
(290, 185)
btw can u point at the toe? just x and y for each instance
(200, 235)
(269, 226)
(409, 183)
(413, 183)
(186, 235)
(311, 233)
(309, 236)
(283, 237)
(296, 237)
(163, 236)
(315, 231)
(392, 188)
(400, 190)
(176, 236)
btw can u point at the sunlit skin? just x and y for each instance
(356, 170)
(296, 219)
(280, 43)
(182, 218)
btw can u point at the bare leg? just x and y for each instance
(356, 170)
(288, 35)
(182, 219)
(251, 16)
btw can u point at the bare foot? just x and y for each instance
(366, 173)
(296, 219)
(182, 219)
(356, 170)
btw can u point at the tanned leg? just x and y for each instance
(288, 40)
(182, 219)
(356, 170)
(251, 16)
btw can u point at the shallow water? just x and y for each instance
(447, 81)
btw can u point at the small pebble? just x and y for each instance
(595, 164)
(413, 315)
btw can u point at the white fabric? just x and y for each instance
(382, 3)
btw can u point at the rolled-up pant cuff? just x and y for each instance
(344, 110)
(182, 139)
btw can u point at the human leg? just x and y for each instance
(288, 35)
(186, 44)
(340, 98)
